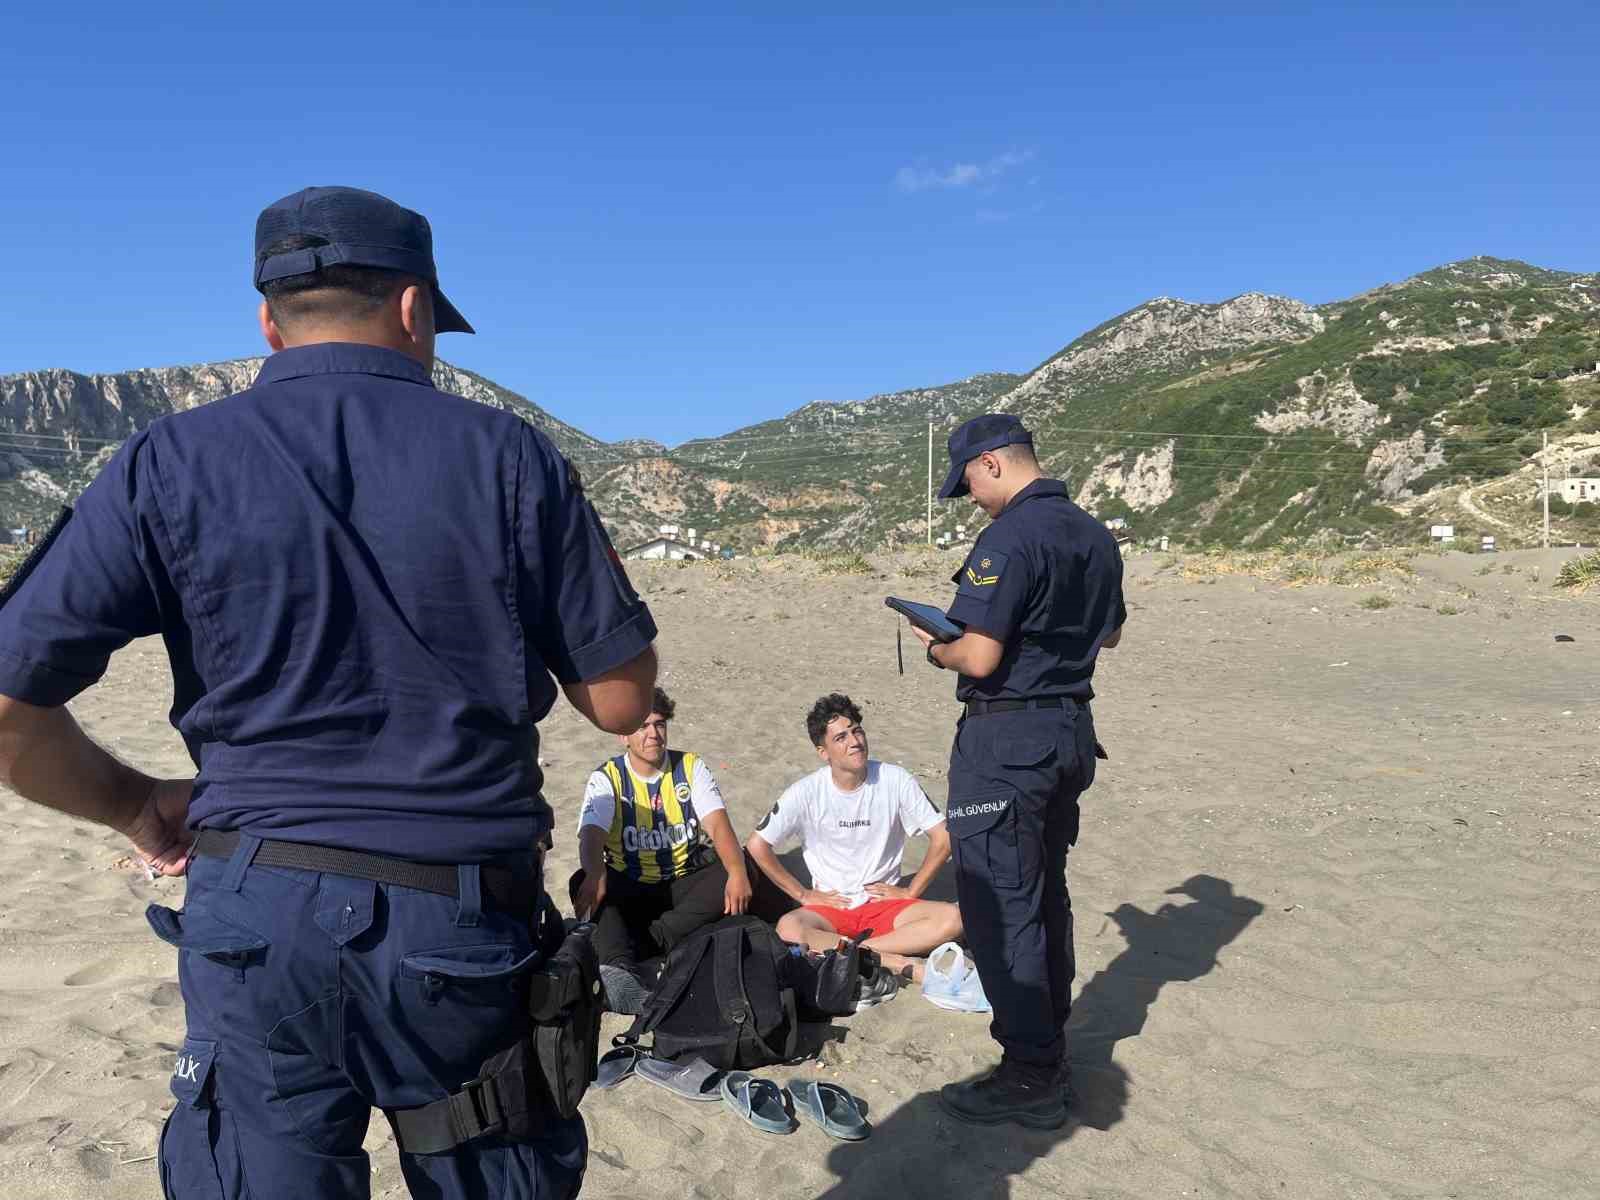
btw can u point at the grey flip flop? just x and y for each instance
(760, 1101)
(693, 1078)
(830, 1108)
(615, 1066)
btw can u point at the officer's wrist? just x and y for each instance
(931, 647)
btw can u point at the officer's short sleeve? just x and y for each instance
(578, 608)
(92, 591)
(992, 589)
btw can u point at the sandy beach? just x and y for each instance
(1334, 896)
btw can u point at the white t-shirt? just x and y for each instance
(600, 802)
(852, 839)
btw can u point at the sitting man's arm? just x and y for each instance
(767, 859)
(592, 858)
(932, 863)
(706, 797)
(736, 896)
(45, 757)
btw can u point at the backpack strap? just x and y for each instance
(668, 992)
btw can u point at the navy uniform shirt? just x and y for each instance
(365, 586)
(1045, 578)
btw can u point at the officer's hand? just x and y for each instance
(820, 899)
(922, 635)
(591, 895)
(889, 891)
(736, 896)
(160, 831)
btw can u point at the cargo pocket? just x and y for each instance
(480, 974)
(464, 1003)
(199, 1151)
(229, 946)
(983, 826)
(1023, 750)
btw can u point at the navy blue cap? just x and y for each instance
(362, 229)
(988, 432)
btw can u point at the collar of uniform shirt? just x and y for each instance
(1039, 487)
(341, 358)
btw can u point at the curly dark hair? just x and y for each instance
(662, 703)
(834, 704)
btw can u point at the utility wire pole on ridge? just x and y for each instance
(1546, 457)
(930, 483)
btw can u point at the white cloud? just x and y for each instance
(959, 175)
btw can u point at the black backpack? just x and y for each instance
(723, 996)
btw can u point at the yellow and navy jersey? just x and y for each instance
(655, 833)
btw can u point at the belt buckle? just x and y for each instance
(478, 1101)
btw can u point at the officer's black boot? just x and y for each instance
(1010, 1093)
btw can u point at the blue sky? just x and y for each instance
(669, 221)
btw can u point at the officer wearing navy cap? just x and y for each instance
(369, 591)
(1039, 597)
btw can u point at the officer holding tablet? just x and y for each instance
(1039, 597)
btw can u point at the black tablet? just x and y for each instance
(926, 616)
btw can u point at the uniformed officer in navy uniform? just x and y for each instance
(1039, 596)
(368, 591)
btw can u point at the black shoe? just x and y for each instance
(1006, 1095)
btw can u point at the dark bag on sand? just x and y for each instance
(723, 996)
(828, 985)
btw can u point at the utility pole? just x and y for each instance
(1546, 457)
(930, 483)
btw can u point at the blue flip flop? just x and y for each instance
(830, 1108)
(760, 1101)
(693, 1078)
(615, 1066)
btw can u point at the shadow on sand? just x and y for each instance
(920, 1150)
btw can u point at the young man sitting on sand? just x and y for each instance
(660, 858)
(852, 815)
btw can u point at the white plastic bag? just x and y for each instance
(951, 981)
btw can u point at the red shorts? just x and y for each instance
(877, 915)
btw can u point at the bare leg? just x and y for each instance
(806, 928)
(918, 929)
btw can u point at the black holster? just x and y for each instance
(544, 1075)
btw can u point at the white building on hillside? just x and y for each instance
(1577, 491)
(670, 545)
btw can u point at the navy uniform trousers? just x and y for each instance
(312, 999)
(1015, 779)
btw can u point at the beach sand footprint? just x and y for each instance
(102, 970)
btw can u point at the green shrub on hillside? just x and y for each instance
(1581, 573)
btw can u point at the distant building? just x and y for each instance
(663, 546)
(1577, 491)
(1444, 533)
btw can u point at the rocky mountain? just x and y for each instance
(58, 427)
(1243, 422)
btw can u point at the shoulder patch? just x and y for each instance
(982, 571)
(766, 820)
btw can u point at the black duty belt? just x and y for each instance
(509, 891)
(977, 708)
